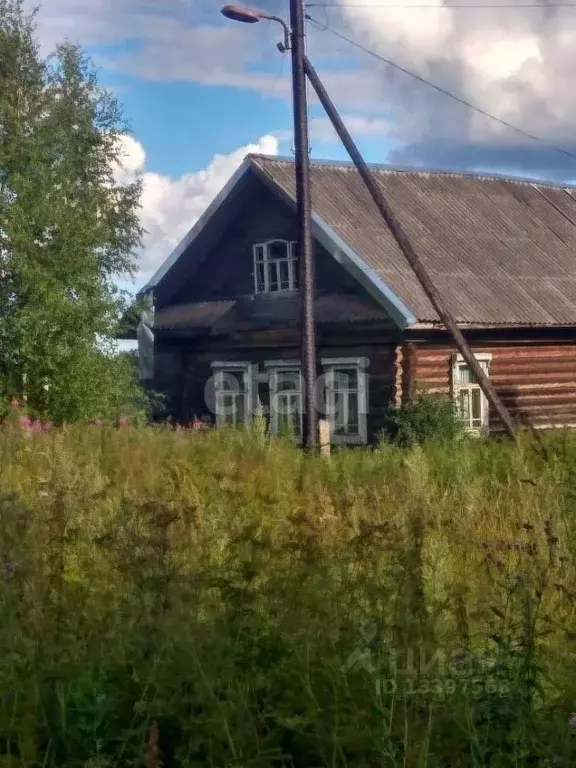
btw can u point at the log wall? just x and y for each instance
(186, 391)
(537, 382)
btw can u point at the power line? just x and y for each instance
(385, 6)
(438, 88)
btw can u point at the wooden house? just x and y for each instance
(502, 253)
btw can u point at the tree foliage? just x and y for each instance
(68, 230)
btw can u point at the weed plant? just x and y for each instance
(214, 598)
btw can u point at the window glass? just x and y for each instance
(277, 250)
(284, 270)
(232, 394)
(286, 400)
(470, 400)
(344, 404)
(275, 267)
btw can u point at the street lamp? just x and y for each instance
(294, 41)
(240, 13)
(253, 16)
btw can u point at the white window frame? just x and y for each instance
(330, 364)
(273, 264)
(484, 359)
(273, 367)
(221, 368)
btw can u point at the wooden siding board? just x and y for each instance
(537, 382)
(227, 271)
(408, 372)
(187, 390)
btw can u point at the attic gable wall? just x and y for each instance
(227, 269)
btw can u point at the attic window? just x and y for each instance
(275, 267)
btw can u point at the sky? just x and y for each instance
(200, 92)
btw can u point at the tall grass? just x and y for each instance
(215, 599)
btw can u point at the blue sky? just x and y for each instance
(200, 91)
(183, 124)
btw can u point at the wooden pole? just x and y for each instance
(408, 250)
(324, 430)
(304, 216)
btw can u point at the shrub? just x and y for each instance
(429, 417)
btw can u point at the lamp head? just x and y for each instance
(240, 13)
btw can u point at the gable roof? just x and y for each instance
(500, 251)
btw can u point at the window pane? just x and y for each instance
(289, 407)
(240, 410)
(260, 284)
(337, 415)
(353, 419)
(272, 276)
(466, 375)
(343, 400)
(284, 275)
(345, 379)
(259, 252)
(230, 408)
(232, 388)
(232, 381)
(277, 250)
(345, 417)
(476, 407)
(464, 406)
(296, 271)
(288, 380)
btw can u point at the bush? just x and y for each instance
(429, 417)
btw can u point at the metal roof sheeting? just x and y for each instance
(500, 251)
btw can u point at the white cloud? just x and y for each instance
(132, 160)
(169, 40)
(516, 63)
(187, 41)
(170, 207)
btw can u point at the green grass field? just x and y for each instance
(190, 599)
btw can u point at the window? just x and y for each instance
(346, 399)
(471, 402)
(275, 267)
(285, 381)
(233, 392)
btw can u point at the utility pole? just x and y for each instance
(304, 215)
(302, 69)
(294, 39)
(408, 250)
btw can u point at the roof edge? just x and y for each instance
(195, 230)
(469, 325)
(455, 173)
(372, 283)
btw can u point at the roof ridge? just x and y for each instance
(417, 171)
